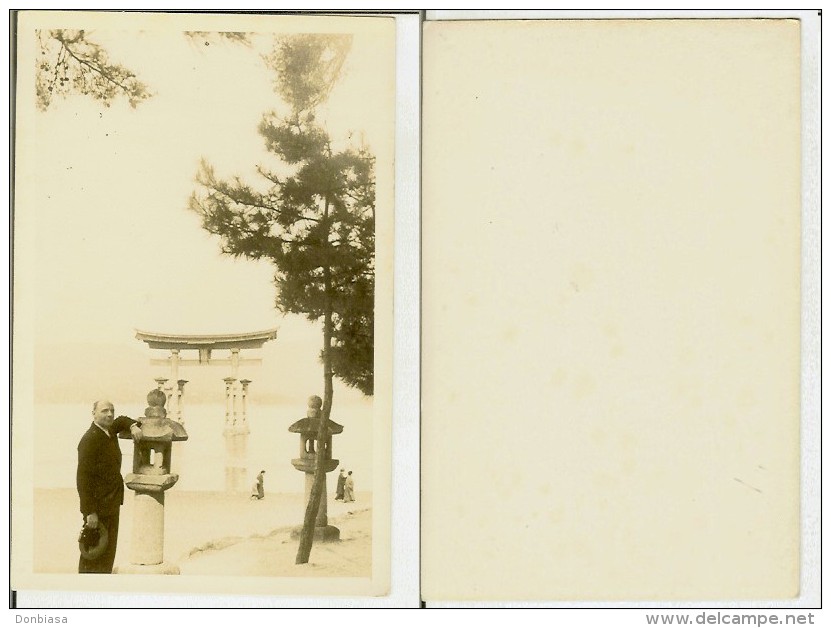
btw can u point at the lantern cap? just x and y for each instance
(154, 429)
(307, 424)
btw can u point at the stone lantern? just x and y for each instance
(150, 478)
(310, 449)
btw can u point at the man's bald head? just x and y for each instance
(95, 405)
(103, 413)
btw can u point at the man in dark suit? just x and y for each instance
(99, 481)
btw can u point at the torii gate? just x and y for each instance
(236, 391)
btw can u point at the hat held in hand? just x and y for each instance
(93, 541)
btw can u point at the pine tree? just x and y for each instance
(313, 218)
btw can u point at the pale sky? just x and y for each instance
(115, 247)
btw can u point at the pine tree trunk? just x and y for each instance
(308, 532)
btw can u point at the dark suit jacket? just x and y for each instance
(99, 481)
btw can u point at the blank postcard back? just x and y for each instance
(611, 310)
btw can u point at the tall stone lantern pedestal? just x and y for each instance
(310, 449)
(150, 478)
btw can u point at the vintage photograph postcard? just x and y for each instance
(203, 210)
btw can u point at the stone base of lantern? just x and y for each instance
(162, 569)
(324, 534)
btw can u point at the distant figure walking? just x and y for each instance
(349, 489)
(258, 491)
(341, 482)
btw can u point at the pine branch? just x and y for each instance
(95, 68)
(77, 65)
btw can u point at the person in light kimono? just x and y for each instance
(349, 488)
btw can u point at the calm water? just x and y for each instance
(208, 461)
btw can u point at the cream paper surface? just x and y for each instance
(611, 310)
(86, 256)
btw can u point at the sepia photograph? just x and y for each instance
(203, 303)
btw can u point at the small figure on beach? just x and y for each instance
(258, 490)
(100, 486)
(341, 482)
(349, 489)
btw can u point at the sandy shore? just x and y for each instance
(210, 533)
(274, 554)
